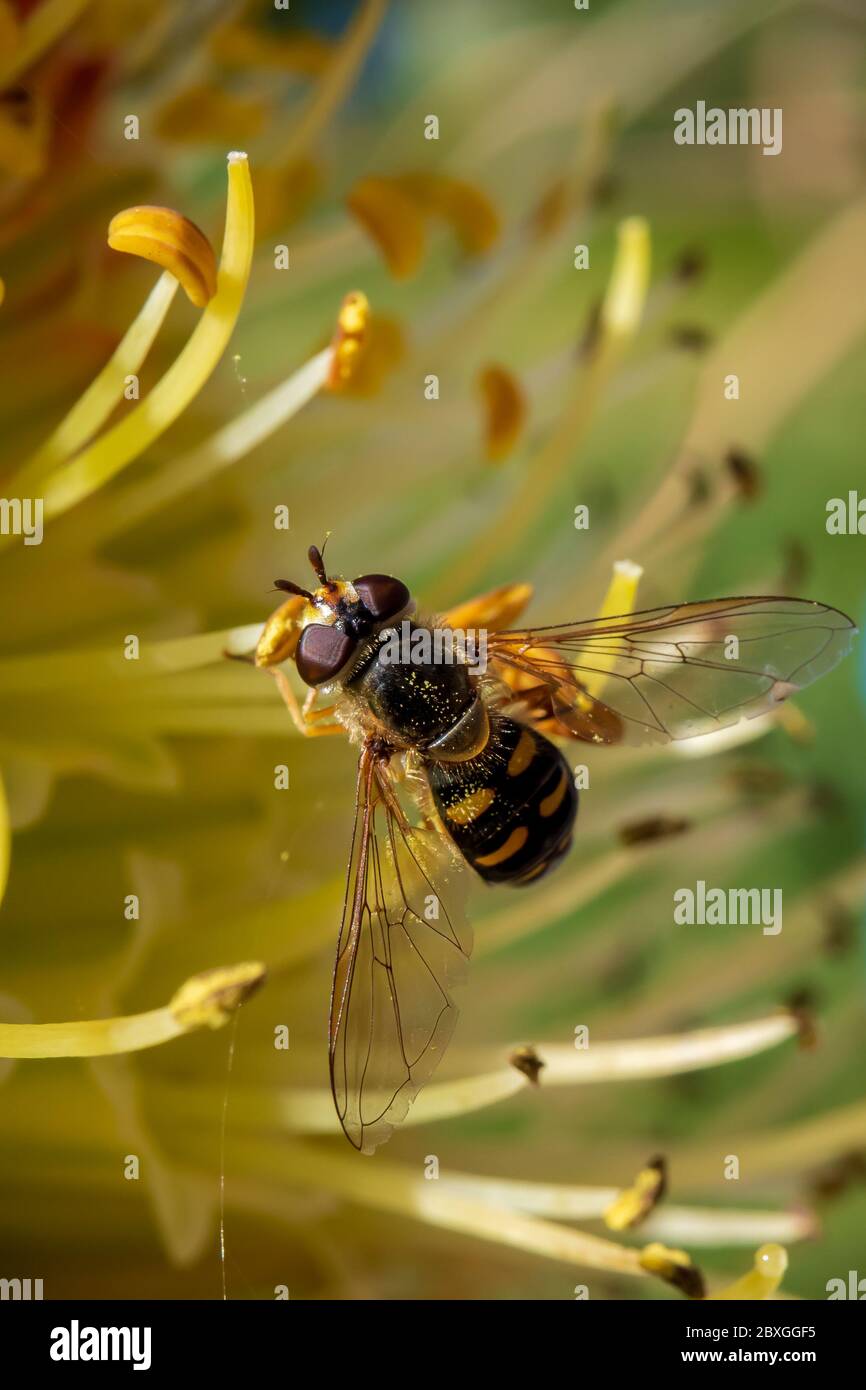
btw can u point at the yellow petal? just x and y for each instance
(504, 410)
(392, 220)
(171, 241)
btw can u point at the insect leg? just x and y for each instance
(306, 720)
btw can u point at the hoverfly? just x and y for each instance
(475, 750)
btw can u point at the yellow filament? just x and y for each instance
(91, 410)
(619, 600)
(206, 1000)
(117, 448)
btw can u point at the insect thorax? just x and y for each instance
(420, 700)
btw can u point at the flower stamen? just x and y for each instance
(349, 338)
(169, 240)
(762, 1281)
(634, 1204)
(675, 1267)
(205, 1001)
(93, 408)
(114, 450)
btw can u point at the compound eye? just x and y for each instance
(322, 653)
(381, 595)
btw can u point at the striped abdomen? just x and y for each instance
(511, 809)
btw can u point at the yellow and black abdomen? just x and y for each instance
(511, 809)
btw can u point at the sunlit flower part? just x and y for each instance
(635, 1203)
(763, 1279)
(206, 1001)
(674, 1267)
(171, 241)
(125, 441)
(349, 339)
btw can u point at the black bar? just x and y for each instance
(252, 1337)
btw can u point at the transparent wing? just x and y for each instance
(404, 944)
(671, 673)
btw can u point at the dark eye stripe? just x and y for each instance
(322, 652)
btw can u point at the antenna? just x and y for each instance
(315, 558)
(288, 586)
